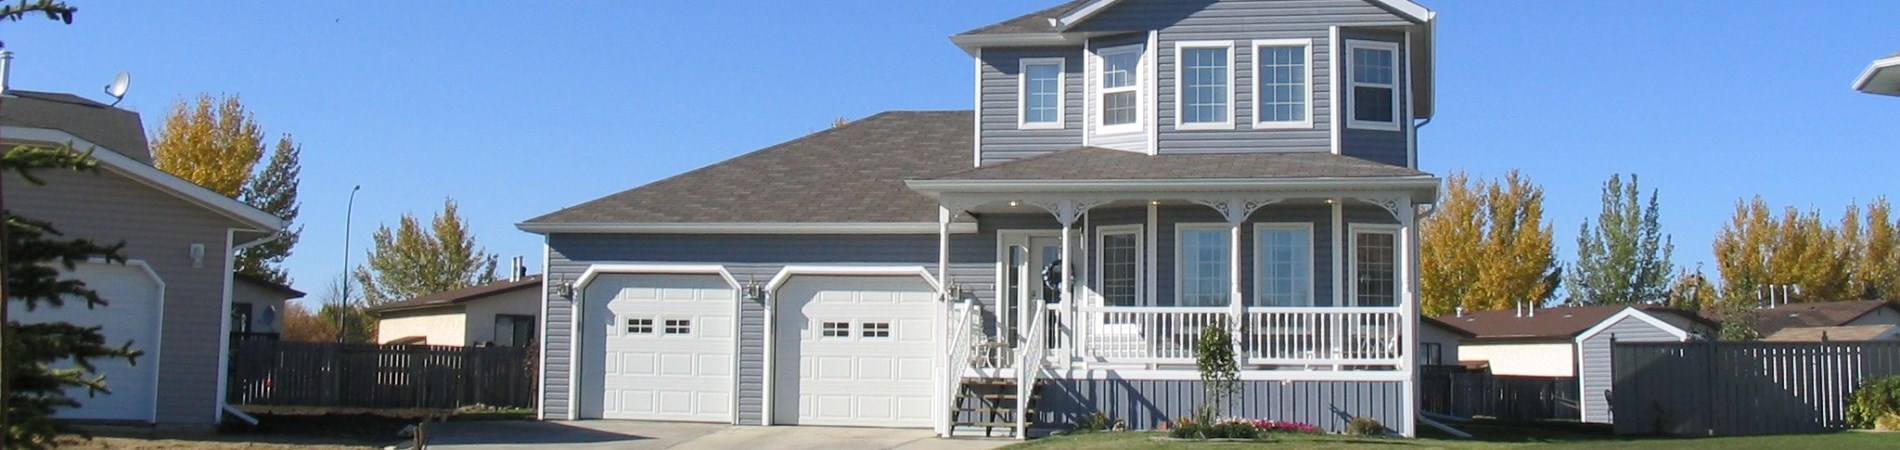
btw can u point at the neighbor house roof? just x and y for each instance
(1555, 323)
(852, 173)
(273, 286)
(1881, 77)
(458, 296)
(115, 129)
(1817, 314)
(1842, 333)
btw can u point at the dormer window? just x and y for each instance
(1041, 88)
(1120, 94)
(1282, 83)
(1204, 85)
(1374, 93)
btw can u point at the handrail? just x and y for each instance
(962, 334)
(1029, 366)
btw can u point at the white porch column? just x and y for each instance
(940, 361)
(1408, 343)
(1236, 210)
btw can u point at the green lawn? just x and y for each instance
(1487, 437)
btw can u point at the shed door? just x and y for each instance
(658, 347)
(853, 350)
(132, 315)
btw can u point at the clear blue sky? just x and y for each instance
(518, 109)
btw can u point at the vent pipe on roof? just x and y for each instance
(1519, 308)
(6, 72)
(1531, 305)
(1460, 311)
(515, 269)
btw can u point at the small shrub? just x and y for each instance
(1095, 422)
(1188, 429)
(1365, 426)
(1233, 429)
(1889, 422)
(1275, 426)
(1874, 399)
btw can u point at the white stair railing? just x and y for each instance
(962, 339)
(1029, 365)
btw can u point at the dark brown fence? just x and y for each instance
(1452, 390)
(1741, 388)
(312, 374)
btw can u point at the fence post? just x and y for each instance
(1709, 361)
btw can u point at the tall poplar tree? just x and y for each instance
(1625, 258)
(1486, 247)
(1855, 258)
(412, 261)
(217, 143)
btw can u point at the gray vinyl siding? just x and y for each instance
(1145, 404)
(1242, 22)
(1595, 369)
(748, 258)
(1000, 137)
(1320, 216)
(158, 228)
(1378, 145)
(1135, 141)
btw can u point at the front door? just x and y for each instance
(1031, 276)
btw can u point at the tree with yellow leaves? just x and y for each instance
(1486, 247)
(1858, 258)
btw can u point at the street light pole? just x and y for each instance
(343, 303)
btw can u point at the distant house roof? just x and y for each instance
(1842, 333)
(258, 281)
(1557, 323)
(458, 296)
(853, 173)
(115, 129)
(1817, 314)
(1432, 322)
(1881, 77)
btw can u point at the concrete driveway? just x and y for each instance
(625, 434)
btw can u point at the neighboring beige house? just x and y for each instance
(502, 313)
(257, 305)
(1438, 342)
(1882, 77)
(1847, 333)
(1771, 321)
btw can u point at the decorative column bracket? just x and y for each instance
(1237, 209)
(1067, 211)
(1391, 203)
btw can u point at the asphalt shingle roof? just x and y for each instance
(1035, 22)
(1552, 323)
(452, 297)
(849, 174)
(1819, 314)
(115, 129)
(1092, 163)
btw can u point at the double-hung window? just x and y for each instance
(1204, 85)
(1120, 92)
(1283, 87)
(1121, 262)
(1374, 92)
(1375, 266)
(1041, 86)
(1283, 264)
(1204, 264)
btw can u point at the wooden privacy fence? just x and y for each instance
(313, 374)
(1452, 390)
(1741, 388)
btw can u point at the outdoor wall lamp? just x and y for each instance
(953, 291)
(564, 289)
(753, 290)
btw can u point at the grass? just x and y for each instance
(1486, 437)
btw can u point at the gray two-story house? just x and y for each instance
(1243, 164)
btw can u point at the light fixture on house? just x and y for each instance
(953, 291)
(1014, 203)
(564, 289)
(1154, 202)
(753, 290)
(197, 256)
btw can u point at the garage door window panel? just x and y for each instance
(877, 330)
(836, 330)
(679, 327)
(639, 326)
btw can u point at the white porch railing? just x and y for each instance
(1029, 367)
(1270, 336)
(962, 339)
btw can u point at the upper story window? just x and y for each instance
(1204, 264)
(1204, 85)
(1041, 88)
(1283, 264)
(1375, 266)
(1120, 93)
(1374, 92)
(1121, 258)
(1283, 86)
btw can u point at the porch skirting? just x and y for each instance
(1145, 404)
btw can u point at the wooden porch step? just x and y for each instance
(1007, 396)
(985, 410)
(986, 424)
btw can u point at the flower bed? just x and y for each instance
(1237, 428)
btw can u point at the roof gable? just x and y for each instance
(1559, 323)
(118, 161)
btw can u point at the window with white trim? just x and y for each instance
(1283, 87)
(1375, 274)
(1283, 264)
(678, 326)
(836, 329)
(877, 329)
(1041, 85)
(1373, 84)
(1120, 88)
(1203, 262)
(1204, 85)
(1120, 265)
(639, 326)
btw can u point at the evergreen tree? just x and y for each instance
(274, 190)
(411, 261)
(1625, 259)
(1486, 247)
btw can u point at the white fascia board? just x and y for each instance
(971, 42)
(1408, 9)
(1680, 334)
(785, 274)
(1426, 187)
(1888, 67)
(747, 228)
(151, 176)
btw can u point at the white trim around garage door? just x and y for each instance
(771, 314)
(578, 311)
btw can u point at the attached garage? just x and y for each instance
(657, 347)
(853, 350)
(134, 293)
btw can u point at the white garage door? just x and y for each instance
(132, 315)
(659, 347)
(853, 350)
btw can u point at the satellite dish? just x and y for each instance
(118, 87)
